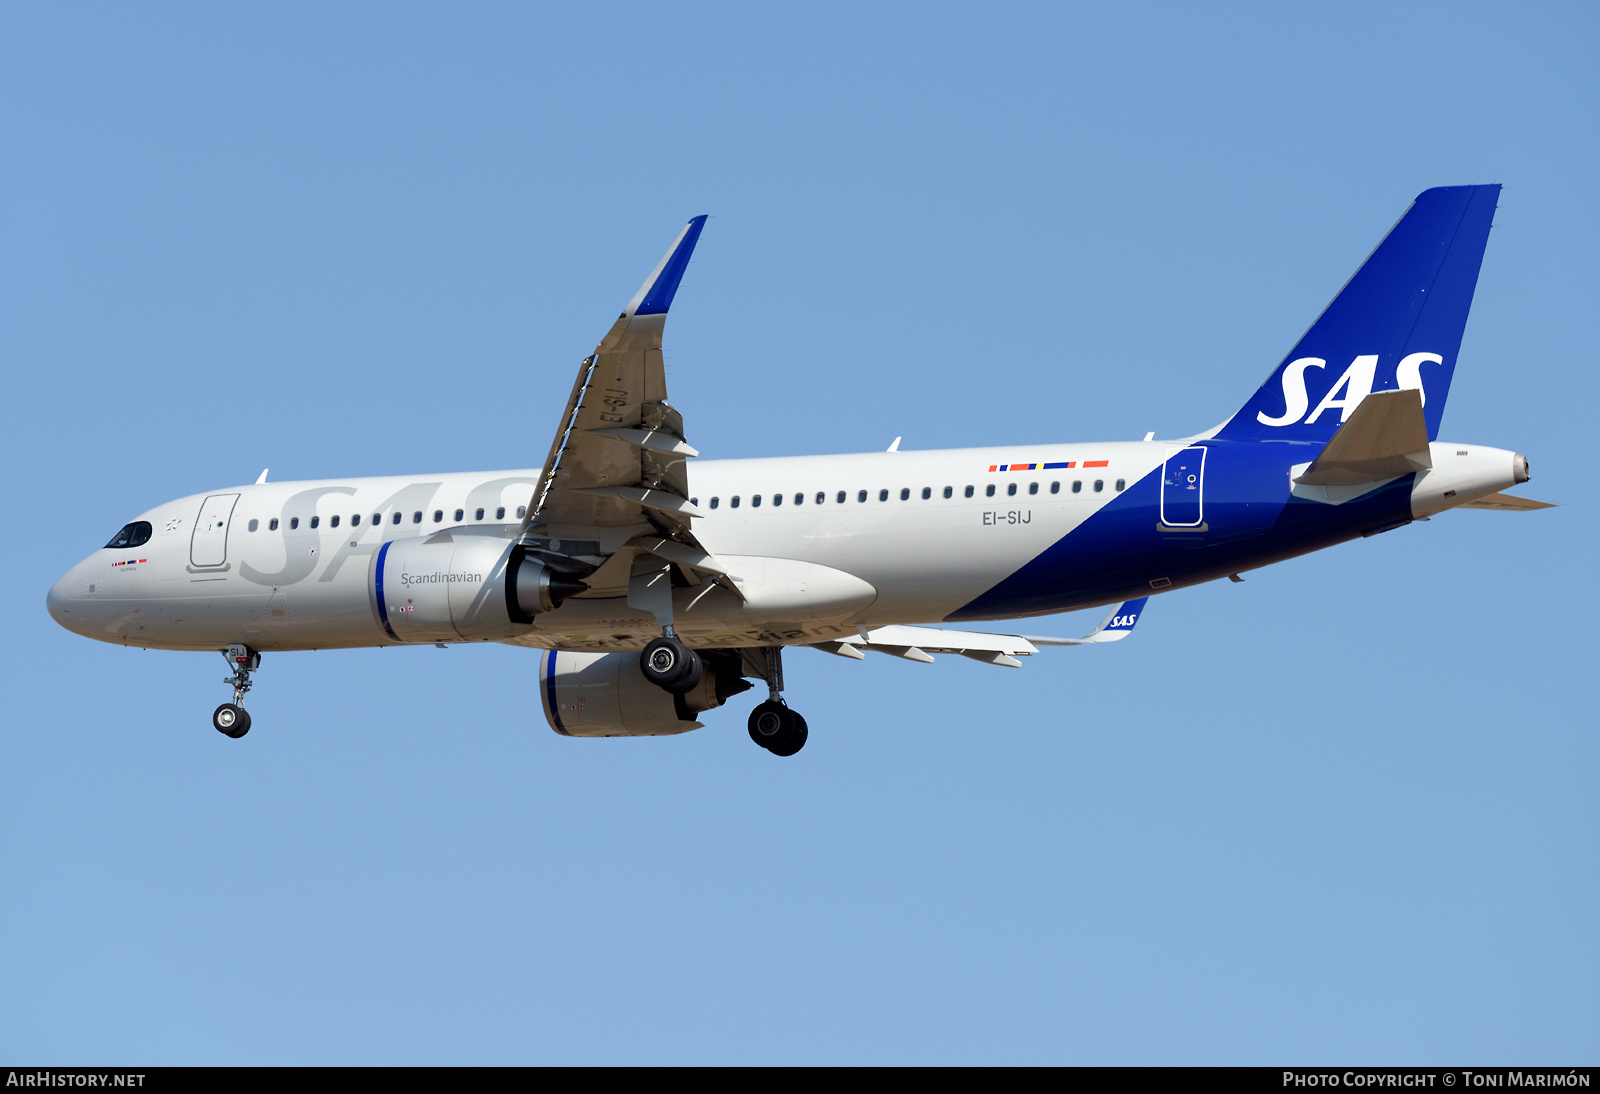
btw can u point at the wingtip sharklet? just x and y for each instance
(655, 295)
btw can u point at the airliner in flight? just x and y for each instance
(654, 585)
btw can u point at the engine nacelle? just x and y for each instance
(453, 586)
(605, 694)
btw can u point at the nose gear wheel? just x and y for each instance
(231, 719)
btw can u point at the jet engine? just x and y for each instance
(605, 694)
(454, 586)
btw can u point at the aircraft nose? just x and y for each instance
(59, 600)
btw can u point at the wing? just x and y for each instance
(920, 643)
(616, 474)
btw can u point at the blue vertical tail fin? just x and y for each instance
(1396, 324)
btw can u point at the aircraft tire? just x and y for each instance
(671, 665)
(231, 721)
(796, 742)
(776, 728)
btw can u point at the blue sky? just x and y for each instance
(1345, 811)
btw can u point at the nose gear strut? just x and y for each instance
(232, 719)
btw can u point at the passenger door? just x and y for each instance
(208, 545)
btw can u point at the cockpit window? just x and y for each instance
(136, 534)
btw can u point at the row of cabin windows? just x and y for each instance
(905, 493)
(396, 518)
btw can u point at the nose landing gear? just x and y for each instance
(231, 719)
(773, 725)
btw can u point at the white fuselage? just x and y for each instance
(835, 543)
(295, 556)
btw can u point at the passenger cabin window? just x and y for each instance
(294, 522)
(883, 495)
(988, 491)
(1011, 489)
(733, 502)
(397, 517)
(777, 499)
(695, 502)
(438, 516)
(799, 499)
(905, 494)
(1077, 486)
(254, 524)
(1099, 485)
(355, 519)
(272, 525)
(1055, 488)
(949, 490)
(861, 496)
(1033, 488)
(315, 521)
(1122, 484)
(755, 500)
(459, 514)
(333, 521)
(967, 493)
(821, 497)
(714, 502)
(500, 513)
(478, 515)
(522, 511)
(416, 518)
(377, 519)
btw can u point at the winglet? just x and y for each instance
(1117, 625)
(655, 295)
(263, 477)
(1119, 621)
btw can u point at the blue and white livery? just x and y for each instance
(655, 584)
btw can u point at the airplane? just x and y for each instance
(655, 585)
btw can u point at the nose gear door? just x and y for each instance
(1182, 485)
(208, 545)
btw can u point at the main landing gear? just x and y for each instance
(231, 719)
(671, 665)
(773, 725)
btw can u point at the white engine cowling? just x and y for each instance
(605, 694)
(460, 586)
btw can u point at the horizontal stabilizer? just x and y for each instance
(1386, 437)
(1509, 502)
